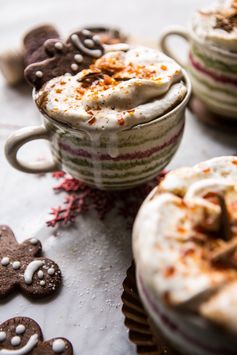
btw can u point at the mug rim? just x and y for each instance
(214, 48)
(66, 126)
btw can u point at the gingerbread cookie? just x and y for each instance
(108, 35)
(77, 53)
(22, 336)
(21, 268)
(33, 43)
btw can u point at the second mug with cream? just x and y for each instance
(212, 62)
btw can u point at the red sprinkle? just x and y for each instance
(121, 121)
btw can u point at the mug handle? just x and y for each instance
(18, 139)
(173, 31)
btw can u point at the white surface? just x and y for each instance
(94, 256)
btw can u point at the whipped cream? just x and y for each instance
(173, 239)
(120, 90)
(218, 25)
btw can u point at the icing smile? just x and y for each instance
(32, 342)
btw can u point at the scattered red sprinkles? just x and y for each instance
(81, 198)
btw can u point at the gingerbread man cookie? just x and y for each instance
(77, 53)
(22, 268)
(23, 336)
(33, 43)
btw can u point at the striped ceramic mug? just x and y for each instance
(105, 160)
(213, 71)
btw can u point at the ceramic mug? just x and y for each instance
(213, 71)
(105, 160)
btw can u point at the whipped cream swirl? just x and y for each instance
(217, 25)
(177, 230)
(121, 89)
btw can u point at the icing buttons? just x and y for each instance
(12, 340)
(96, 53)
(51, 271)
(15, 341)
(96, 38)
(40, 274)
(22, 267)
(16, 265)
(74, 66)
(86, 32)
(78, 58)
(89, 43)
(58, 45)
(58, 346)
(20, 329)
(33, 241)
(39, 74)
(3, 336)
(5, 261)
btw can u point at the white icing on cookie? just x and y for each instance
(3, 336)
(78, 58)
(31, 269)
(15, 341)
(20, 329)
(51, 271)
(39, 74)
(32, 342)
(16, 265)
(74, 66)
(5, 261)
(96, 38)
(86, 32)
(89, 43)
(42, 283)
(58, 45)
(96, 53)
(34, 241)
(58, 346)
(40, 274)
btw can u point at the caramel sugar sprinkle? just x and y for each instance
(163, 67)
(181, 229)
(169, 271)
(121, 121)
(80, 90)
(92, 121)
